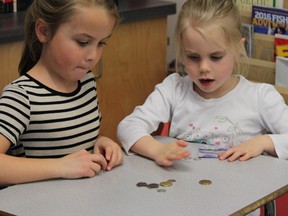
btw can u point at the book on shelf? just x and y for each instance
(246, 5)
(269, 20)
(6, 6)
(281, 45)
(9, 6)
(248, 33)
(281, 58)
(281, 72)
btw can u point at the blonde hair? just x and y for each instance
(209, 15)
(53, 13)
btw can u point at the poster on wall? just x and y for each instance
(267, 20)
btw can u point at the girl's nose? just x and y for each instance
(204, 66)
(92, 54)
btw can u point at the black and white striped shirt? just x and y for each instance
(43, 123)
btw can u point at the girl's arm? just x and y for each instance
(16, 170)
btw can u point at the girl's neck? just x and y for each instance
(228, 86)
(57, 83)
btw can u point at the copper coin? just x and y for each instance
(153, 185)
(205, 182)
(166, 184)
(141, 184)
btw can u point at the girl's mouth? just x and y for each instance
(206, 82)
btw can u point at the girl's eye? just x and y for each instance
(83, 43)
(102, 43)
(193, 57)
(216, 58)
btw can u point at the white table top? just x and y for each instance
(237, 188)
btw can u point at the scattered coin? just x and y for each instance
(161, 190)
(205, 182)
(153, 185)
(141, 184)
(166, 184)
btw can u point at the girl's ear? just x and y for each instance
(243, 40)
(42, 31)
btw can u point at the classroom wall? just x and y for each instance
(170, 30)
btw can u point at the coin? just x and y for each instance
(141, 184)
(161, 190)
(166, 184)
(171, 180)
(153, 185)
(205, 182)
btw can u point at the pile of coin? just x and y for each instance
(162, 184)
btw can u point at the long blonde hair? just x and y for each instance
(53, 13)
(217, 14)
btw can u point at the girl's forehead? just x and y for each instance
(200, 40)
(94, 21)
(209, 33)
(92, 14)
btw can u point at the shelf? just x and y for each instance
(262, 65)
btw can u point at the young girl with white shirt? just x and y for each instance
(211, 102)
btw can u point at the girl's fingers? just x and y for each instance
(99, 159)
(181, 143)
(116, 158)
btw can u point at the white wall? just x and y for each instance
(170, 30)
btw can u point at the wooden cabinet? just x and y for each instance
(133, 63)
(9, 59)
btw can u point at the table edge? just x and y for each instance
(261, 202)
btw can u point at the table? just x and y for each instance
(237, 188)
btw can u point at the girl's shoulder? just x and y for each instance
(263, 91)
(177, 80)
(257, 86)
(19, 84)
(27, 83)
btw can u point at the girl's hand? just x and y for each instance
(110, 150)
(249, 149)
(242, 152)
(81, 164)
(167, 153)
